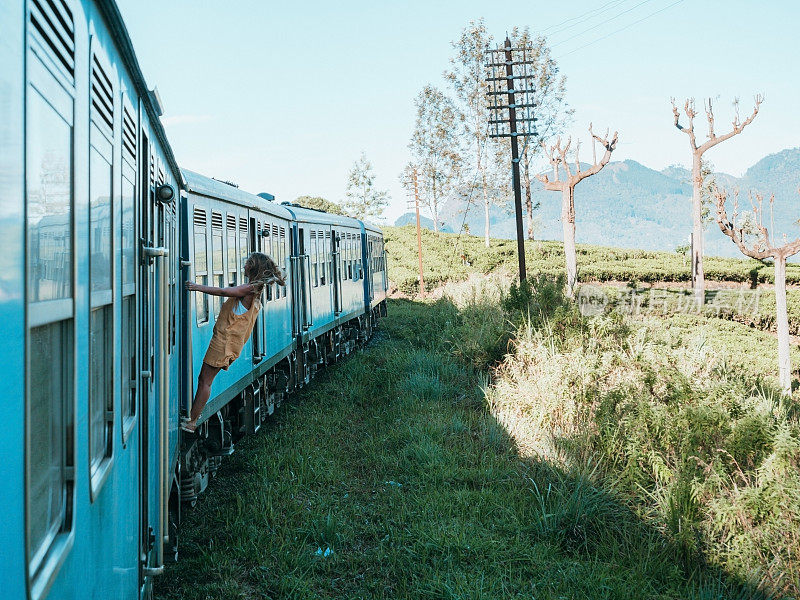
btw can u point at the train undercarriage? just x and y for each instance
(201, 454)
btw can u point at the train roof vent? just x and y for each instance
(231, 221)
(102, 96)
(216, 220)
(128, 133)
(54, 27)
(199, 216)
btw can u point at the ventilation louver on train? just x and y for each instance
(216, 220)
(129, 135)
(231, 222)
(53, 25)
(102, 96)
(199, 217)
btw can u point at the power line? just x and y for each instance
(601, 23)
(620, 29)
(581, 18)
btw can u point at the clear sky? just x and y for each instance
(284, 96)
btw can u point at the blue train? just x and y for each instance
(101, 343)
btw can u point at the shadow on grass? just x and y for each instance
(388, 477)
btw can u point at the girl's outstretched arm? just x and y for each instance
(239, 291)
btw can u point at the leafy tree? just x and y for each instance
(435, 147)
(363, 200)
(467, 75)
(318, 203)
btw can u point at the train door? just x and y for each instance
(256, 245)
(304, 279)
(335, 275)
(367, 270)
(153, 375)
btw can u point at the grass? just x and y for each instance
(400, 462)
(497, 443)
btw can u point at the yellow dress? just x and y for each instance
(230, 333)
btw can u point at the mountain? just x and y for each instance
(410, 218)
(630, 205)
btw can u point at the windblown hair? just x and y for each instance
(264, 272)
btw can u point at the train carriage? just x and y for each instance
(89, 297)
(224, 225)
(328, 265)
(101, 344)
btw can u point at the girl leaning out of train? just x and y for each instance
(233, 326)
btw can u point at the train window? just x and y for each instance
(322, 257)
(266, 247)
(359, 246)
(217, 264)
(50, 423)
(282, 255)
(314, 274)
(200, 264)
(101, 239)
(348, 253)
(127, 236)
(49, 398)
(100, 222)
(232, 255)
(101, 397)
(127, 226)
(242, 241)
(329, 251)
(49, 200)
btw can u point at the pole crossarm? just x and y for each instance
(511, 78)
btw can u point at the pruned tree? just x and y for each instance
(557, 155)
(363, 200)
(698, 276)
(435, 148)
(318, 203)
(755, 242)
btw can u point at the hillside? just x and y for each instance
(632, 206)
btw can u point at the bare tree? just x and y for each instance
(558, 158)
(698, 276)
(755, 242)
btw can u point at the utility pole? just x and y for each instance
(503, 82)
(414, 182)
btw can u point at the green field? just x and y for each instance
(443, 252)
(498, 443)
(395, 461)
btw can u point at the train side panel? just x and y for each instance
(12, 298)
(91, 180)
